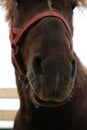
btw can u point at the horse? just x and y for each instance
(50, 78)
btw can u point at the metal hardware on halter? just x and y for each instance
(17, 33)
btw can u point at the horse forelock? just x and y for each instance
(8, 4)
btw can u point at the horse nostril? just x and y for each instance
(37, 65)
(73, 68)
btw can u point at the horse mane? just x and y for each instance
(8, 4)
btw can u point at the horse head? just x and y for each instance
(41, 32)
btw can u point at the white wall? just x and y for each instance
(6, 69)
(80, 34)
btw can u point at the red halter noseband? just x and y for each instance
(16, 34)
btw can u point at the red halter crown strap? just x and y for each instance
(16, 34)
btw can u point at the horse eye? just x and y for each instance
(73, 5)
(17, 2)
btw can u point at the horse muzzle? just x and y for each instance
(51, 82)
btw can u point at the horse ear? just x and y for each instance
(17, 2)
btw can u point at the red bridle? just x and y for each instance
(17, 34)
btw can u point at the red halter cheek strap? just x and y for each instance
(16, 34)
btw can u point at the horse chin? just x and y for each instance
(38, 102)
(49, 103)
